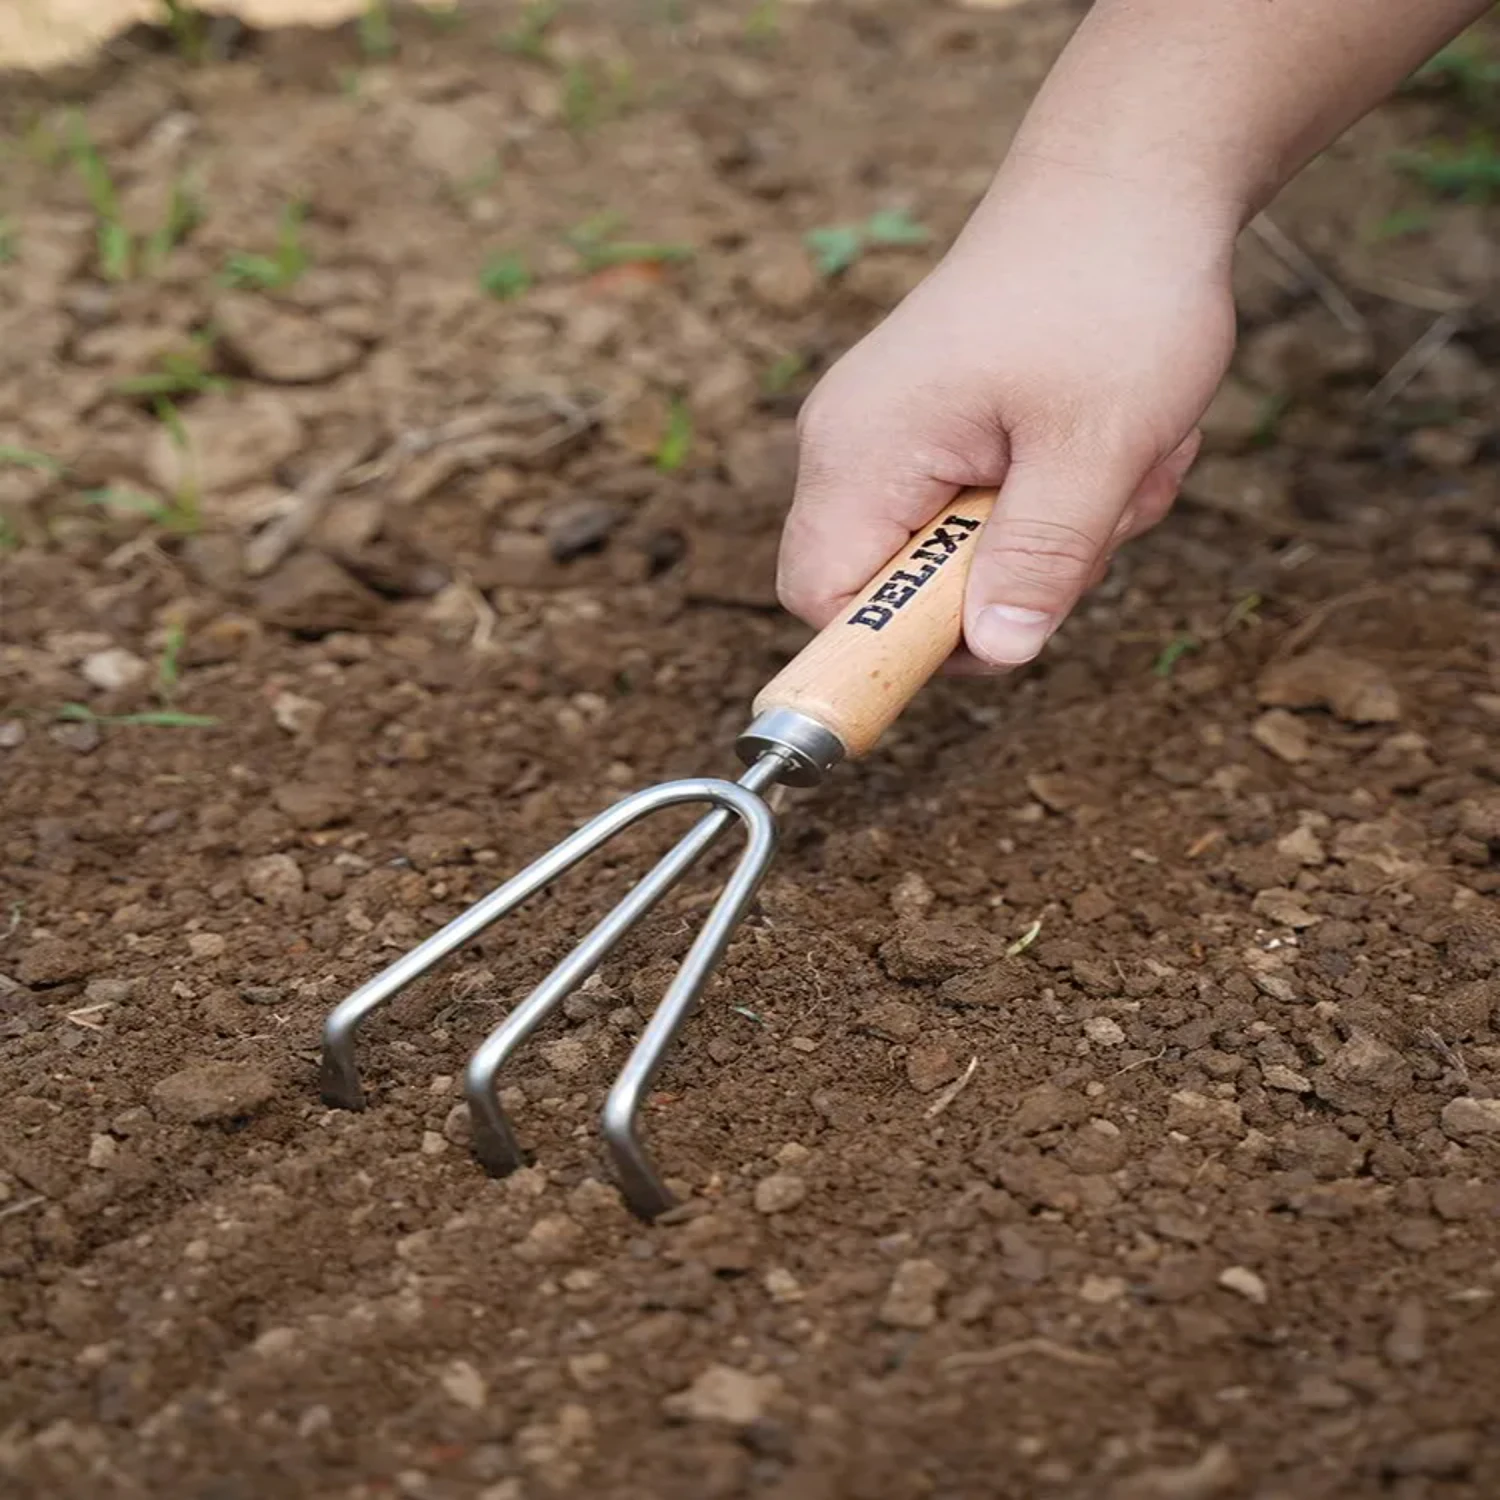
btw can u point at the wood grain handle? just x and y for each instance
(859, 673)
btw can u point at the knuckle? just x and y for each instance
(1045, 553)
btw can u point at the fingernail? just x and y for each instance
(1006, 635)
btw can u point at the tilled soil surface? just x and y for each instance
(1101, 1101)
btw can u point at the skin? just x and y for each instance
(1067, 345)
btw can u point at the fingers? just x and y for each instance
(870, 473)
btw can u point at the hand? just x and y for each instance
(1064, 351)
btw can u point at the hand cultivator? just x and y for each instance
(832, 702)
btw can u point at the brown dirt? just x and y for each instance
(1215, 1213)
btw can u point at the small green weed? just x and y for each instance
(595, 246)
(188, 28)
(1172, 653)
(528, 37)
(116, 254)
(29, 458)
(168, 664)
(1470, 172)
(677, 441)
(1402, 224)
(783, 374)
(179, 372)
(270, 273)
(182, 514)
(1026, 939)
(505, 276)
(159, 718)
(594, 93)
(836, 247)
(377, 30)
(184, 214)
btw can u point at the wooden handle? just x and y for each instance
(857, 676)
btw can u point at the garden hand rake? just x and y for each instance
(833, 701)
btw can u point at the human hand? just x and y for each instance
(1063, 351)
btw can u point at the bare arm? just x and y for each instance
(1069, 342)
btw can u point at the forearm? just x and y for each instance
(1221, 101)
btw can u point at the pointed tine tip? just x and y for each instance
(339, 1083)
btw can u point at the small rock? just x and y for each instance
(1363, 1077)
(1320, 1393)
(114, 670)
(462, 1383)
(553, 1238)
(1302, 844)
(434, 1143)
(206, 945)
(1438, 1455)
(1104, 1032)
(1467, 1119)
(281, 344)
(213, 1091)
(12, 734)
(53, 961)
(781, 1286)
(311, 595)
(1046, 1107)
(275, 879)
(576, 527)
(458, 1127)
(1215, 1474)
(298, 716)
(929, 1065)
(1279, 1076)
(1285, 908)
(233, 440)
(588, 1371)
(313, 804)
(936, 949)
(1284, 735)
(723, 1394)
(894, 1020)
(1101, 1290)
(81, 738)
(1245, 1282)
(779, 1192)
(1196, 1114)
(1356, 691)
(566, 1056)
(102, 1151)
(911, 1300)
(108, 991)
(912, 897)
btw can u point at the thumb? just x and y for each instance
(1056, 517)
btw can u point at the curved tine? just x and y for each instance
(494, 1141)
(340, 1082)
(644, 1190)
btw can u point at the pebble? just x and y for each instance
(297, 715)
(579, 526)
(792, 1154)
(1363, 1076)
(108, 991)
(113, 670)
(588, 1371)
(1046, 1107)
(1104, 1032)
(434, 1143)
(1303, 845)
(1406, 1343)
(457, 1126)
(82, 738)
(1356, 691)
(724, 1394)
(781, 1286)
(553, 1238)
(213, 1091)
(913, 897)
(566, 1056)
(912, 1298)
(1100, 1290)
(206, 945)
(1284, 735)
(313, 804)
(1245, 1282)
(102, 1151)
(1196, 1114)
(462, 1383)
(1467, 1119)
(275, 879)
(929, 1065)
(779, 1193)
(1279, 1076)
(52, 961)
(12, 734)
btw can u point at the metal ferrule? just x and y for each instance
(809, 749)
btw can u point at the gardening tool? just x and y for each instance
(833, 700)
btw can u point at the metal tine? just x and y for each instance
(340, 1080)
(494, 1140)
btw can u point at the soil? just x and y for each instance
(1192, 1195)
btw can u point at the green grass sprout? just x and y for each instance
(1025, 940)
(505, 276)
(159, 718)
(29, 458)
(677, 441)
(1172, 653)
(271, 273)
(836, 247)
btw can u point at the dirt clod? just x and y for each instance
(779, 1192)
(724, 1395)
(911, 1300)
(215, 1091)
(1355, 690)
